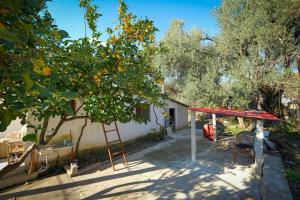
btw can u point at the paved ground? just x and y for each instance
(160, 172)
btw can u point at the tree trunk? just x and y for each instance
(79, 138)
(156, 119)
(241, 122)
(9, 168)
(270, 100)
(260, 102)
(298, 63)
(161, 127)
(43, 132)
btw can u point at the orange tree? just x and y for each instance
(109, 78)
(27, 35)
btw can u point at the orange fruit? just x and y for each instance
(141, 38)
(46, 71)
(126, 20)
(151, 37)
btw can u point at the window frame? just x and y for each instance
(143, 113)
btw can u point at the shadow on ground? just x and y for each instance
(162, 171)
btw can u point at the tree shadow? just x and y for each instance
(168, 174)
(179, 185)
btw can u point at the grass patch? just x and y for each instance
(232, 130)
(292, 175)
(289, 145)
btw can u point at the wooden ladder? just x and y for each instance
(111, 153)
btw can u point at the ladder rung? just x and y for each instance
(111, 142)
(110, 130)
(117, 153)
(114, 152)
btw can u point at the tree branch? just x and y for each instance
(77, 110)
(61, 122)
(156, 119)
(79, 138)
(76, 117)
(208, 38)
(161, 127)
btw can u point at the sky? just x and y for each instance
(195, 13)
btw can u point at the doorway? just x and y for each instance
(170, 120)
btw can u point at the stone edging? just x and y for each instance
(274, 184)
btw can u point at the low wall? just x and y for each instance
(274, 183)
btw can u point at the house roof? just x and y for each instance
(252, 114)
(178, 102)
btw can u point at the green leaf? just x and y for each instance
(32, 137)
(40, 85)
(38, 64)
(26, 27)
(44, 106)
(5, 118)
(28, 82)
(40, 3)
(69, 110)
(8, 35)
(46, 93)
(70, 95)
(63, 34)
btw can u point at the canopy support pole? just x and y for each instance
(193, 136)
(214, 119)
(258, 147)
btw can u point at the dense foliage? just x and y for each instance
(42, 72)
(27, 39)
(252, 62)
(187, 62)
(260, 45)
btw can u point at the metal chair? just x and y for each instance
(244, 145)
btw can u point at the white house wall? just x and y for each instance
(93, 136)
(181, 114)
(182, 117)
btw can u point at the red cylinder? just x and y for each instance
(208, 131)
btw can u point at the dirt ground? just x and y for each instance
(164, 171)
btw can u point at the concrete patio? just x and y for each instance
(163, 171)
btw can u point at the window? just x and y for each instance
(143, 112)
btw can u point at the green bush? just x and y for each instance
(292, 175)
(233, 130)
(157, 136)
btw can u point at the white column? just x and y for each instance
(258, 147)
(193, 136)
(214, 119)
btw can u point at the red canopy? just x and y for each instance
(260, 115)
